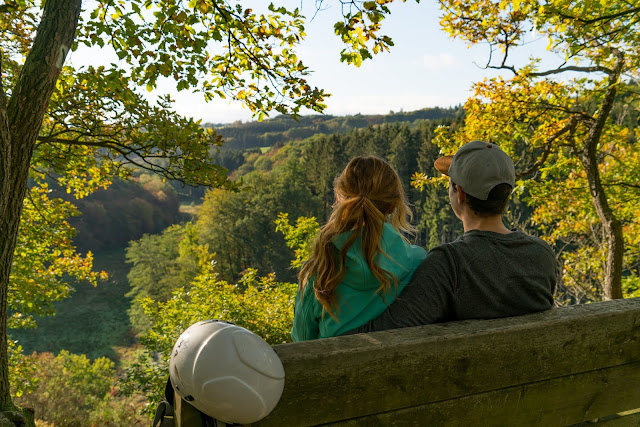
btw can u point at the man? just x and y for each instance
(489, 271)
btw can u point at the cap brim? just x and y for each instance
(443, 163)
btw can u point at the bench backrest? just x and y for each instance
(558, 367)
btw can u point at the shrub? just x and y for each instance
(69, 387)
(259, 304)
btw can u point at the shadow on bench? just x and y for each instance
(556, 368)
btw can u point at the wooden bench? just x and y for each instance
(557, 368)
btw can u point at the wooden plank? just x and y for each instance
(622, 419)
(349, 377)
(556, 402)
(631, 420)
(186, 415)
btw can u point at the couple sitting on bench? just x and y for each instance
(364, 276)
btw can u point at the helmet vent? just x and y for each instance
(189, 398)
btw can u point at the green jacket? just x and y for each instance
(358, 301)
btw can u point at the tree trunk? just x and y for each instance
(611, 224)
(20, 121)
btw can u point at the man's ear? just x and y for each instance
(461, 195)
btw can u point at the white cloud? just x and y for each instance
(439, 62)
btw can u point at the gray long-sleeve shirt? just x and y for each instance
(481, 275)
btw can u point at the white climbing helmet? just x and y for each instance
(226, 372)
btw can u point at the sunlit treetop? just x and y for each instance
(587, 34)
(220, 48)
(360, 29)
(98, 120)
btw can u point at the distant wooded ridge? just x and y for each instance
(281, 129)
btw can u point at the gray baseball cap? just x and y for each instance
(477, 167)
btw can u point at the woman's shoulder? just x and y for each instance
(392, 238)
(401, 258)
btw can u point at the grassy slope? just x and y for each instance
(93, 321)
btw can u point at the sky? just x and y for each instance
(425, 68)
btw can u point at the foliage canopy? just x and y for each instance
(567, 126)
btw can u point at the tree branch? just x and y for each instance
(272, 77)
(621, 184)
(130, 155)
(607, 104)
(573, 122)
(8, 7)
(600, 18)
(559, 70)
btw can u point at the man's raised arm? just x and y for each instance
(426, 299)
